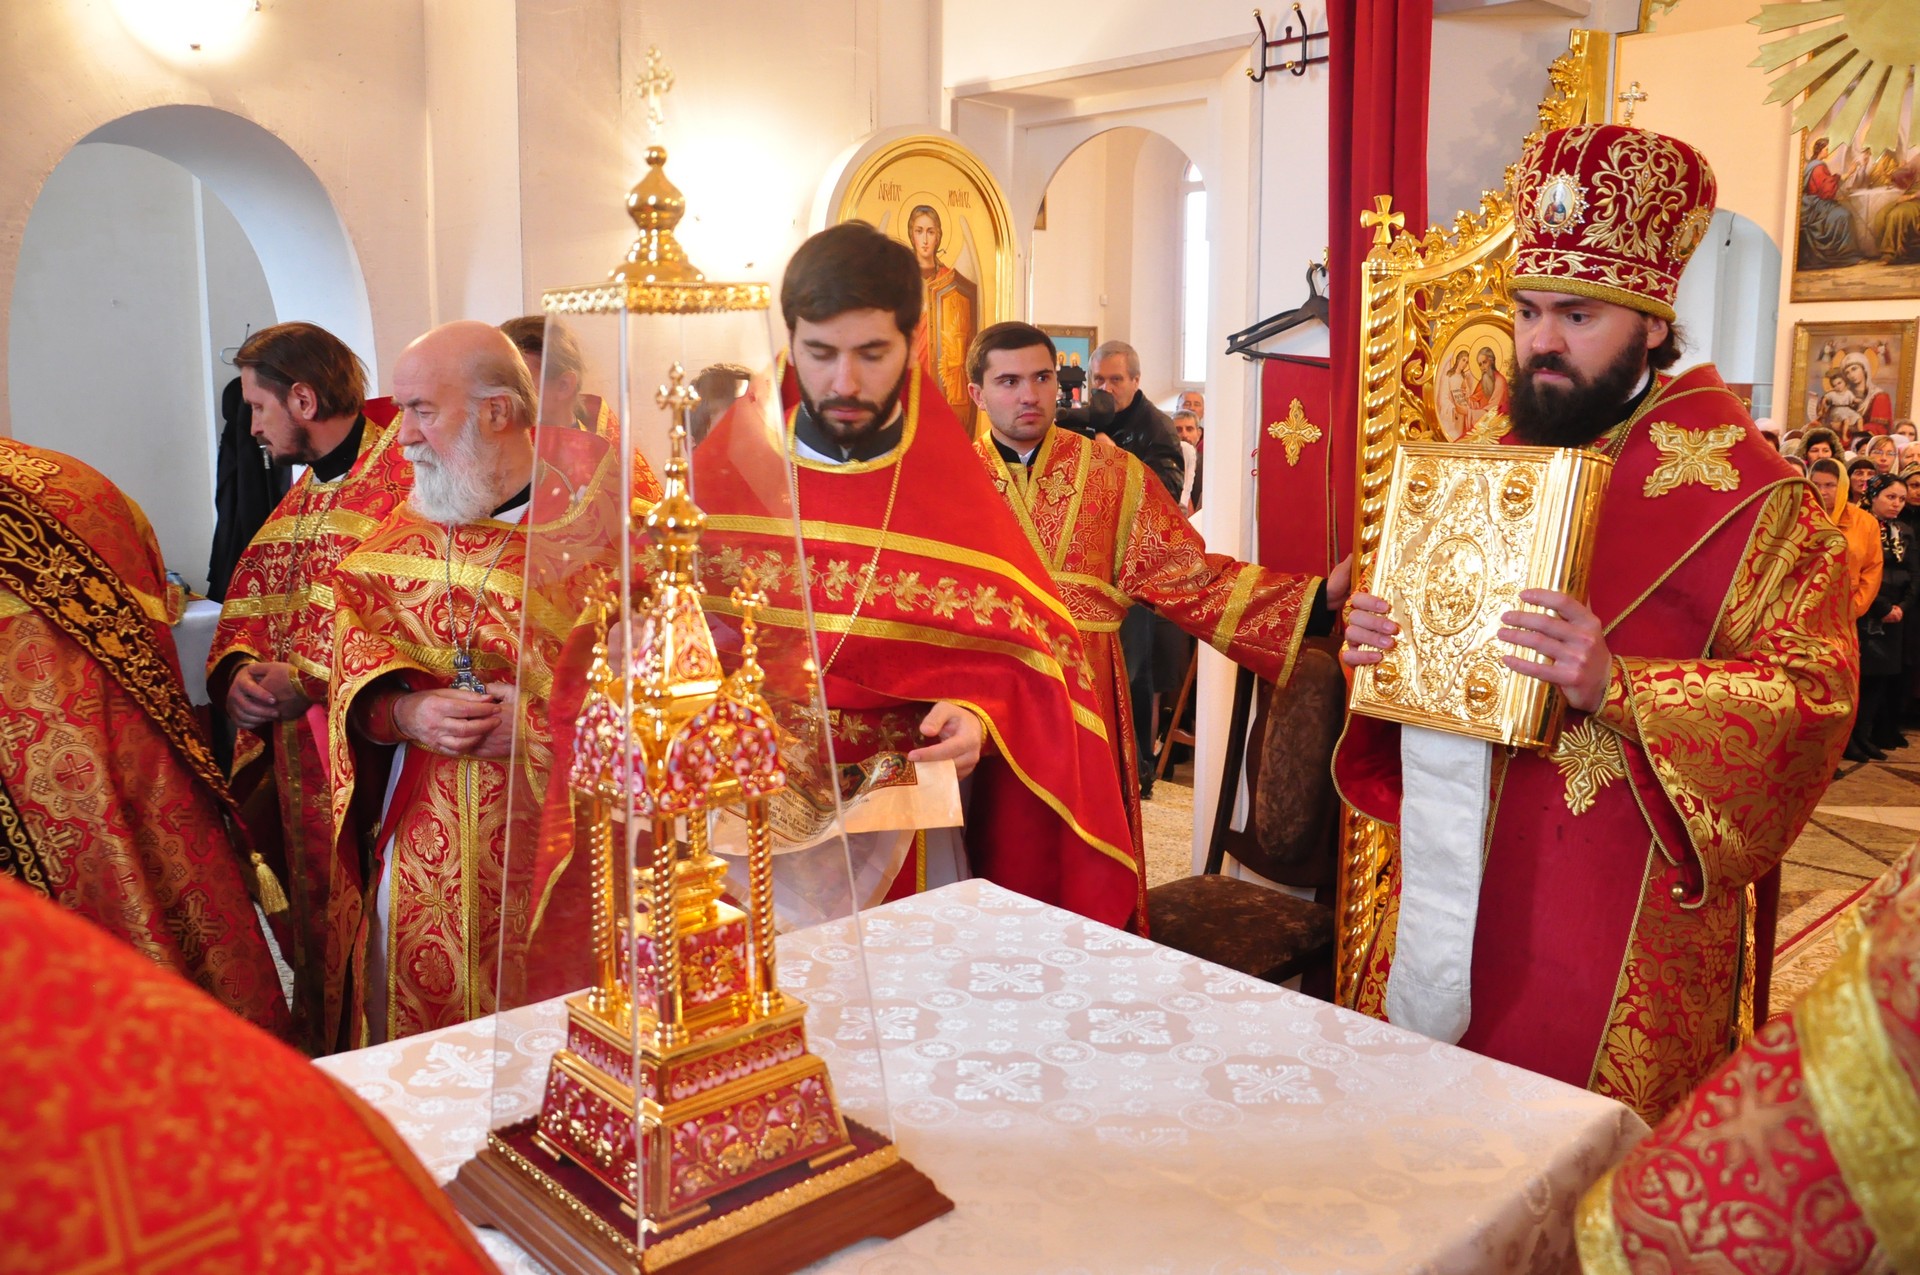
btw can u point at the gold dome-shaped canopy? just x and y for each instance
(656, 277)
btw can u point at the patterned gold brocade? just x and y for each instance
(1864, 1097)
(1800, 1155)
(119, 812)
(1739, 741)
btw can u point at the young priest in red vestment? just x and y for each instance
(271, 653)
(1112, 536)
(1710, 678)
(940, 631)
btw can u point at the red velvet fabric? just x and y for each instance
(1303, 518)
(1380, 55)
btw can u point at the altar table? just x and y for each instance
(1093, 1102)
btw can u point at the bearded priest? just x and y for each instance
(1710, 680)
(940, 632)
(274, 645)
(427, 656)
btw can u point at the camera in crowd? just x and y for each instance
(1092, 416)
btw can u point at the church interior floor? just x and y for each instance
(1868, 818)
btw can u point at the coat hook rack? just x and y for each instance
(1297, 66)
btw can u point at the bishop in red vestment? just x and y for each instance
(1710, 675)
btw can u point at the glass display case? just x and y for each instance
(674, 808)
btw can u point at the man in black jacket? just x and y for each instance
(1143, 429)
(1138, 426)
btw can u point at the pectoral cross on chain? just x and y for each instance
(1383, 220)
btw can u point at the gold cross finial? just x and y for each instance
(654, 85)
(677, 397)
(1632, 97)
(1383, 220)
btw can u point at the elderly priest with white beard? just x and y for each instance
(427, 657)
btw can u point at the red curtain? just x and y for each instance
(1380, 54)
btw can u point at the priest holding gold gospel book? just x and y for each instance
(1584, 907)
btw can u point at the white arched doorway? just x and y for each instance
(156, 244)
(1110, 252)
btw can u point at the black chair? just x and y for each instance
(1291, 838)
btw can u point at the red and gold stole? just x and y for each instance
(923, 588)
(1613, 952)
(448, 816)
(115, 804)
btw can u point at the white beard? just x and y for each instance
(457, 488)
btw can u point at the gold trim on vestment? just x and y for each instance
(1865, 1100)
(900, 630)
(1072, 519)
(11, 604)
(1236, 610)
(870, 537)
(343, 522)
(1597, 291)
(1596, 1231)
(1123, 857)
(1132, 493)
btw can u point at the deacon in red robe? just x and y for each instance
(445, 642)
(1801, 1153)
(111, 803)
(269, 664)
(1710, 678)
(1112, 536)
(938, 624)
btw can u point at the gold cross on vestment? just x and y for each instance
(1632, 97)
(1383, 220)
(1295, 432)
(654, 85)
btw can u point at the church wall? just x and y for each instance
(1070, 255)
(340, 84)
(475, 192)
(169, 279)
(1154, 321)
(998, 40)
(758, 112)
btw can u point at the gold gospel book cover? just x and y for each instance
(1467, 527)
